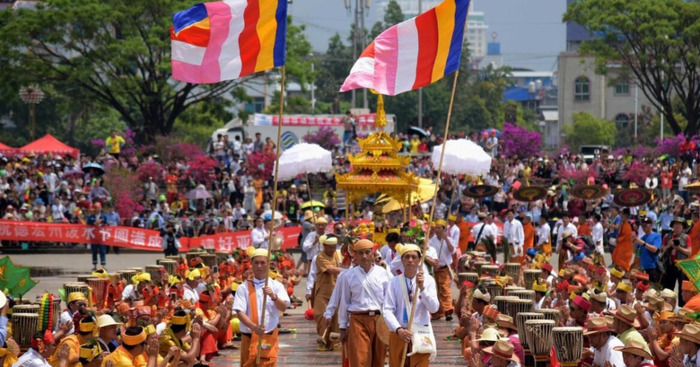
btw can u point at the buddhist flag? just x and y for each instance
(225, 40)
(413, 53)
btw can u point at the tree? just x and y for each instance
(654, 43)
(586, 129)
(333, 68)
(393, 14)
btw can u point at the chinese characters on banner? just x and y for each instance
(130, 237)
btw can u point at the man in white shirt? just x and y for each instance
(452, 230)
(482, 231)
(513, 231)
(259, 235)
(388, 251)
(77, 303)
(565, 227)
(312, 242)
(361, 300)
(398, 302)
(597, 233)
(442, 268)
(248, 305)
(544, 236)
(602, 341)
(192, 280)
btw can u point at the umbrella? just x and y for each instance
(267, 215)
(95, 166)
(415, 130)
(424, 193)
(632, 197)
(693, 187)
(198, 193)
(73, 172)
(588, 192)
(14, 280)
(312, 203)
(530, 193)
(480, 191)
(462, 156)
(304, 159)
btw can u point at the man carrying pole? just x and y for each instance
(443, 273)
(397, 306)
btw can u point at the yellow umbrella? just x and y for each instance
(312, 203)
(425, 192)
(693, 187)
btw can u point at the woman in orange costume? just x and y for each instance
(622, 255)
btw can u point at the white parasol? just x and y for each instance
(462, 156)
(304, 158)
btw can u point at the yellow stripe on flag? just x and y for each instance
(267, 32)
(445, 15)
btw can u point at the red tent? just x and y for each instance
(4, 149)
(48, 144)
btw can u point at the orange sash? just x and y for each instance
(270, 342)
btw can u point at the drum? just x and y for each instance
(494, 289)
(472, 277)
(99, 288)
(209, 260)
(155, 271)
(520, 323)
(510, 288)
(550, 314)
(84, 277)
(502, 302)
(539, 336)
(137, 268)
(568, 343)
(169, 265)
(479, 264)
(30, 308)
(491, 270)
(518, 305)
(24, 326)
(56, 311)
(75, 287)
(523, 294)
(127, 274)
(530, 276)
(114, 277)
(512, 270)
(174, 258)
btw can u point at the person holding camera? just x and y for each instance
(676, 246)
(171, 234)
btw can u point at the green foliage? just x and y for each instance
(333, 68)
(298, 63)
(653, 43)
(393, 14)
(586, 129)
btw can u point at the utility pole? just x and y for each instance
(363, 4)
(420, 90)
(636, 112)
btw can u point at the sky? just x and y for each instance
(531, 32)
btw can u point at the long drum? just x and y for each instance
(491, 270)
(99, 288)
(550, 314)
(154, 270)
(568, 343)
(24, 326)
(520, 323)
(137, 268)
(175, 258)
(530, 276)
(75, 287)
(209, 259)
(518, 305)
(56, 311)
(510, 288)
(472, 277)
(84, 277)
(523, 294)
(30, 308)
(539, 336)
(479, 264)
(127, 274)
(169, 265)
(494, 289)
(502, 302)
(512, 270)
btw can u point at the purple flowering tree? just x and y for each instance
(638, 172)
(324, 137)
(521, 141)
(670, 146)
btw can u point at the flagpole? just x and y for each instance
(432, 213)
(274, 208)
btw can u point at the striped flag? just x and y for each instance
(225, 40)
(413, 53)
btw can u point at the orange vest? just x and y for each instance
(622, 256)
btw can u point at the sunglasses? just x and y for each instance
(81, 304)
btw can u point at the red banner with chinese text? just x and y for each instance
(130, 237)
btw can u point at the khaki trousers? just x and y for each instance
(443, 282)
(396, 345)
(364, 347)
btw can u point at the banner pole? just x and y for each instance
(274, 209)
(432, 213)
